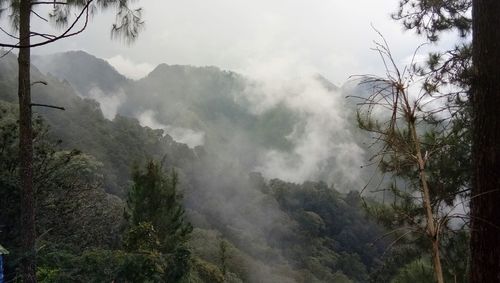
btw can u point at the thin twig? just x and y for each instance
(48, 106)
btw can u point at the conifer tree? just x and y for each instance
(128, 24)
(157, 221)
(414, 149)
(473, 68)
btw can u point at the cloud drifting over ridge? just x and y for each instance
(130, 69)
(183, 135)
(109, 103)
(333, 36)
(324, 146)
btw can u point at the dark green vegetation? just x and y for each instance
(127, 25)
(107, 212)
(183, 97)
(415, 148)
(469, 67)
(93, 225)
(458, 145)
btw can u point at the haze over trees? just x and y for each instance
(196, 174)
(275, 231)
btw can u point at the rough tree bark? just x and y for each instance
(28, 263)
(485, 202)
(128, 24)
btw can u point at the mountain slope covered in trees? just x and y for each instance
(296, 130)
(247, 228)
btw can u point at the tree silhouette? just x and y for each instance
(128, 24)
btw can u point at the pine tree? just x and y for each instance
(415, 150)
(21, 11)
(473, 68)
(157, 221)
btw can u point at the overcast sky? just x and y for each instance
(331, 37)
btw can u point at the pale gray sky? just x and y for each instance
(331, 37)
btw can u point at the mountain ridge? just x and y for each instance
(270, 124)
(276, 231)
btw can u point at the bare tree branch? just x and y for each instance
(65, 34)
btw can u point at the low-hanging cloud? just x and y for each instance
(324, 146)
(109, 103)
(130, 69)
(183, 135)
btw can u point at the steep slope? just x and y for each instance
(275, 231)
(82, 70)
(297, 129)
(118, 144)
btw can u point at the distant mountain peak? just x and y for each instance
(90, 69)
(163, 67)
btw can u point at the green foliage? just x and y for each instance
(416, 271)
(276, 231)
(99, 265)
(432, 17)
(204, 271)
(223, 246)
(205, 99)
(334, 234)
(155, 241)
(127, 24)
(116, 144)
(445, 144)
(446, 148)
(73, 211)
(90, 69)
(154, 202)
(157, 222)
(331, 239)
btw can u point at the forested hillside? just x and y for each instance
(207, 142)
(297, 130)
(247, 228)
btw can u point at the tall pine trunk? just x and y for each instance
(28, 263)
(485, 202)
(432, 229)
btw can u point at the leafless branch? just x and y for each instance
(67, 33)
(48, 106)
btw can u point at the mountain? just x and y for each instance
(83, 126)
(82, 70)
(273, 230)
(297, 130)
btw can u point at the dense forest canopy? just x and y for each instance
(271, 173)
(269, 229)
